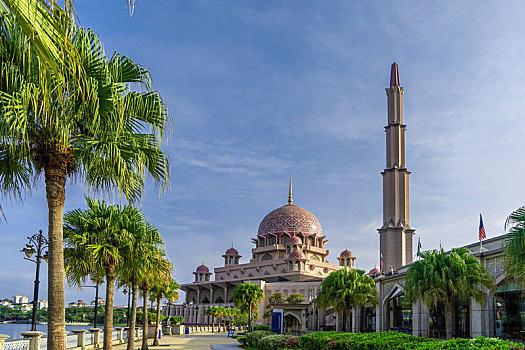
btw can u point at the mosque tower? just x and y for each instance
(395, 236)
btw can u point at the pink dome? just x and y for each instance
(295, 240)
(290, 218)
(232, 251)
(346, 254)
(374, 271)
(203, 268)
(297, 254)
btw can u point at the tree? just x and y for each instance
(276, 298)
(345, 289)
(163, 288)
(248, 295)
(213, 312)
(515, 245)
(442, 278)
(60, 127)
(295, 298)
(97, 239)
(267, 314)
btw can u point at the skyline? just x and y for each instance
(262, 92)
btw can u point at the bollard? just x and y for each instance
(34, 343)
(81, 340)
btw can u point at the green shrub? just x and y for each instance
(253, 338)
(398, 341)
(272, 342)
(243, 340)
(261, 327)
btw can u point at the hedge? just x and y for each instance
(261, 327)
(397, 341)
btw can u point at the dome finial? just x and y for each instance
(290, 200)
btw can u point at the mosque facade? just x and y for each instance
(290, 256)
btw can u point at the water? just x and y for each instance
(13, 330)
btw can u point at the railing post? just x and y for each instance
(96, 337)
(120, 331)
(81, 337)
(3, 337)
(34, 342)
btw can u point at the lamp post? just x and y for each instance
(97, 283)
(39, 241)
(127, 311)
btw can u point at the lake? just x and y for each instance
(13, 330)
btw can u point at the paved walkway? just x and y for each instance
(201, 341)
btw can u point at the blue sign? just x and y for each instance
(277, 321)
(230, 332)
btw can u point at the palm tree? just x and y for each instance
(60, 128)
(442, 278)
(162, 288)
(140, 259)
(102, 235)
(515, 245)
(345, 289)
(213, 312)
(248, 295)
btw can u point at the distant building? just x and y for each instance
(42, 304)
(6, 304)
(72, 304)
(20, 299)
(100, 302)
(81, 303)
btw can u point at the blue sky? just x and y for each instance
(263, 90)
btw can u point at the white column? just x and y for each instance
(3, 337)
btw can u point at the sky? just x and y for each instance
(263, 90)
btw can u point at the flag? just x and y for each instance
(482, 234)
(381, 263)
(419, 247)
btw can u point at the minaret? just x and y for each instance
(395, 236)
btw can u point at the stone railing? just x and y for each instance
(180, 330)
(79, 340)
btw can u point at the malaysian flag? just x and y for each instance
(419, 247)
(482, 234)
(381, 263)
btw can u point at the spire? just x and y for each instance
(290, 200)
(394, 75)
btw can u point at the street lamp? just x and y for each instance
(127, 311)
(97, 283)
(39, 241)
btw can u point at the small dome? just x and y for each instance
(203, 268)
(295, 240)
(346, 254)
(297, 254)
(374, 271)
(232, 251)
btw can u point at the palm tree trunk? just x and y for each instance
(145, 321)
(157, 324)
(132, 316)
(250, 318)
(449, 310)
(55, 179)
(212, 324)
(108, 314)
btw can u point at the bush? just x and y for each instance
(272, 342)
(253, 338)
(295, 298)
(398, 341)
(243, 340)
(261, 327)
(292, 343)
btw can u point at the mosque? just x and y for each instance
(289, 256)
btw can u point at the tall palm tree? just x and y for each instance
(100, 235)
(248, 295)
(139, 261)
(61, 129)
(213, 312)
(515, 245)
(345, 289)
(162, 288)
(161, 271)
(442, 278)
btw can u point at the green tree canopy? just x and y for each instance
(248, 295)
(295, 298)
(276, 298)
(442, 278)
(515, 245)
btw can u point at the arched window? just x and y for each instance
(272, 240)
(290, 266)
(237, 260)
(266, 257)
(225, 261)
(261, 242)
(207, 278)
(348, 262)
(288, 250)
(200, 277)
(310, 241)
(231, 260)
(284, 238)
(298, 265)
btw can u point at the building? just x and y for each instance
(42, 304)
(290, 256)
(20, 299)
(100, 302)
